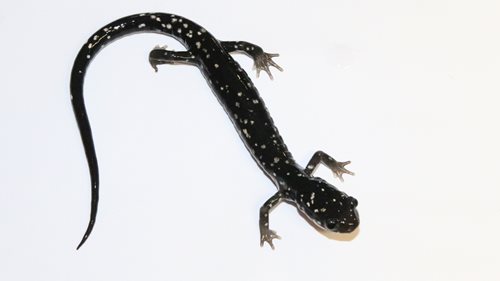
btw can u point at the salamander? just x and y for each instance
(322, 203)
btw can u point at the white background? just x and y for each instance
(407, 90)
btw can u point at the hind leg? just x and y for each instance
(262, 60)
(159, 55)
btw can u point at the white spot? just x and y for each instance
(153, 16)
(141, 25)
(239, 94)
(96, 37)
(185, 25)
(247, 135)
(276, 159)
(198, 45)
(216, 65)
(255, 101)
(310, 167)
(237, 104)
(169, 26)
(158, 19)
(179, 30)
(88, 56)
(312, 196)
(315, 210)
(263, 146)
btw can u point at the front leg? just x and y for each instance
(261, 59)
(160, 55)
(266, 234)
(336, 167)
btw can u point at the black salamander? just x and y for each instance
(320, 202)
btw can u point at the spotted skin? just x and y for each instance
(319, 201)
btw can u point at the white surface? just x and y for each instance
(407, 90)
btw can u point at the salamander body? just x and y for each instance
(320, 202)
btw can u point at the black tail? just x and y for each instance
(140, 23)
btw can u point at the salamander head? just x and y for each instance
(329, 208)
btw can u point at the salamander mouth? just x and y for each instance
(350, 225)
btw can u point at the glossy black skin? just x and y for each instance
(321, 202)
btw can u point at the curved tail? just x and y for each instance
(140, 23)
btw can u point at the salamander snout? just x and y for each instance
(348, 220)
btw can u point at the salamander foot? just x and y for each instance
(263, 61)
(267, 235)
(338, 168)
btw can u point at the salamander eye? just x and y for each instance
(354, 202)
(332, 225)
